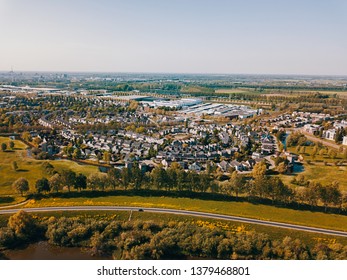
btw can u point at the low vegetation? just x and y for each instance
(161, 240)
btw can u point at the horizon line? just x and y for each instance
(169, 73)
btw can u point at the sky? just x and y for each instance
(175, 36)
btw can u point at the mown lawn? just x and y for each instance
(28, 168)
(327, 174)
(245, 209)
(320, 172)
(74, 166)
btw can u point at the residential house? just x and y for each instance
(311, 128)
(237, 165)
(329, 134)
(224, 166)
(195, 167)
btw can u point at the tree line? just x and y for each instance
(258, 185)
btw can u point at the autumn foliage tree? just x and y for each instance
(24, 225)
(21, 185)
(42, 185)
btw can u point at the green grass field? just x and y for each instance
(320, 172)
(28, 168)
(327, 174)
(245, 209)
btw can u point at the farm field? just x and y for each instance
(330, 92)
(234, 90)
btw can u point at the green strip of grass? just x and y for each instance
(245, 209)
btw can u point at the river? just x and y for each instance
(44, 251)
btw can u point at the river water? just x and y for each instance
(45, 251)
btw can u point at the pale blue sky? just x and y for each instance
(182, 36)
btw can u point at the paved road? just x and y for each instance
(182, 212)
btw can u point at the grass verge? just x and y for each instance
(245, 209)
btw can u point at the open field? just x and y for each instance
(320, 172)
(330, 92)
(28, 168)
(245, 209)
(234, 90)
(74, 166)
(275, 233)
(327, 174)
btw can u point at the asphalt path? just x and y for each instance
(14, 205)
(181, 212)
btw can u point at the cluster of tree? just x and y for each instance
(152, 86)
(300, 180)
(66, 178)
(39, 154)
(296, 139)
(174, 178)
(340, 133)
(326, 194)
(21, 228)
(72, 152)
(280, 134)
(160, 240)
(271, 187)
(320, 150)
(4, 146)
(170, 179)
(10, 122)
(282, 165)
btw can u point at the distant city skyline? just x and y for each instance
(224, 37)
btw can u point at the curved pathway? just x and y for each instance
(14, 205)
(182, 212)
